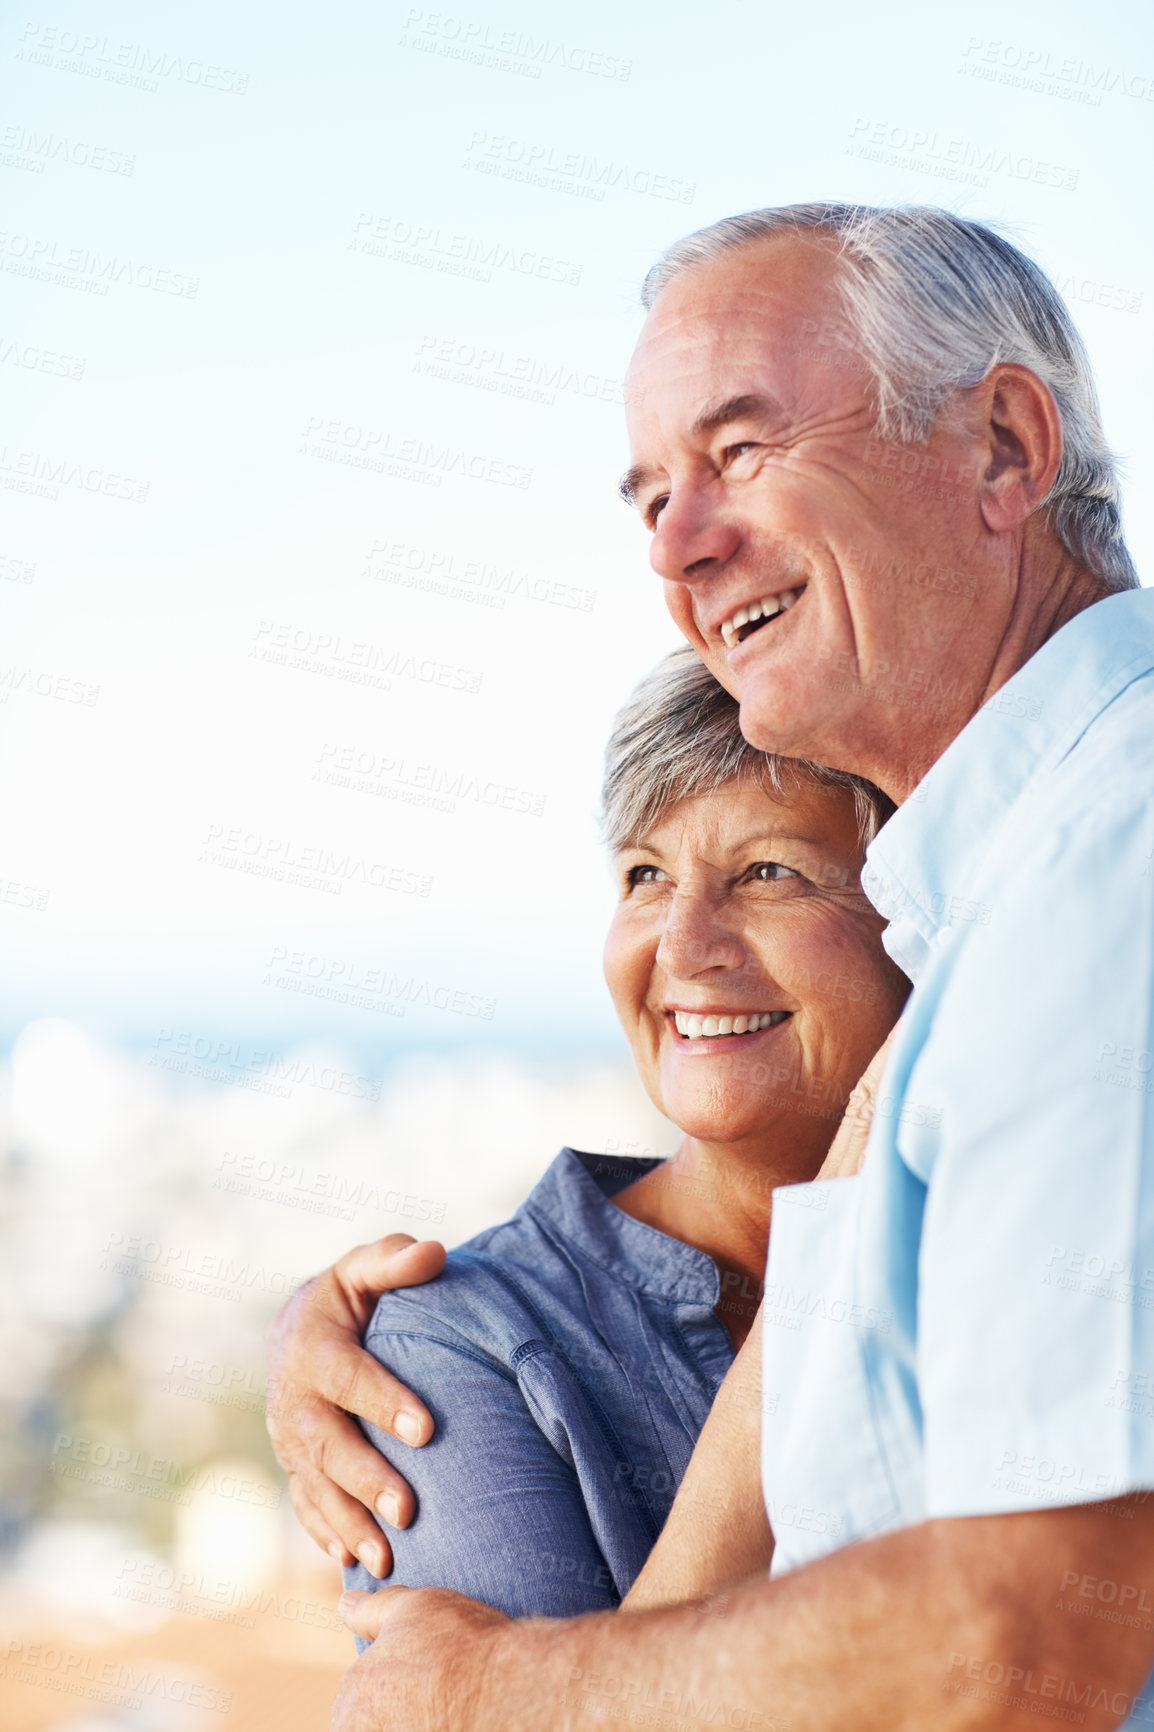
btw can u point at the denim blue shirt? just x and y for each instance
(569, 1358)
(967, 1327)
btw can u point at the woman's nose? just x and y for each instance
(696, 939)
(693, 536)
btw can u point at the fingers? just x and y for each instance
(398, 1261)
(352, 1379)
(338, 1451)
(316, 1526)
(366, 1614)
(353, 1528)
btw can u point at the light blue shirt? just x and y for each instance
(967, 1327)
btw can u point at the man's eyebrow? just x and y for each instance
(747, 407)
(632, 480)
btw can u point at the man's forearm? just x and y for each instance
(950, 1624)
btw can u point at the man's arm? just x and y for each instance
(319, 1374)
(990, 1622)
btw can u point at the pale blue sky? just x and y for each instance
(331, 190)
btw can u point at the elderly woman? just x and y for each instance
(569, 1357)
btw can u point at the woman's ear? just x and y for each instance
(1023, 437)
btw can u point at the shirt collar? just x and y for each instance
(572, 1198)
(923, 863)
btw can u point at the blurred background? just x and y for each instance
(316, 602)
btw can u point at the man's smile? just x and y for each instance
(746, 620)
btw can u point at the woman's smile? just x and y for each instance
(712, 1030)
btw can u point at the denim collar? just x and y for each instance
(922, 866)
(573, 1199)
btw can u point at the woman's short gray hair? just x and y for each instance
(934, 302)
(678, 737)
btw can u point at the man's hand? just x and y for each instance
(319, 1375)
(847, 1151)
(426, 1671)
(970, 1624)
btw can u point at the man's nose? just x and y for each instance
(696, 939)
(693, 537)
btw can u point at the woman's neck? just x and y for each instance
(718, 1200)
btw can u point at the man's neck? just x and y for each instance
(1049, 595)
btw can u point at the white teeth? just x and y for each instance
(764, 609)
(706, 1027)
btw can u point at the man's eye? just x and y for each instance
(738, 450)
(654, 509)
(769, 871)
(644, 875)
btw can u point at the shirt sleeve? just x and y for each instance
(1033, 1133)
(500, 1514)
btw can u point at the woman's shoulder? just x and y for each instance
(520, 1282)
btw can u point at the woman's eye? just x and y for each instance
(644, 875)
(769, 871)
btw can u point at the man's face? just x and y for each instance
(760, 471)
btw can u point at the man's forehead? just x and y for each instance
(749, 294)
(716, 328)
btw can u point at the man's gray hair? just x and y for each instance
(934, 302)
(678, 736)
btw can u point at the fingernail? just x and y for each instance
(372, 1557)
(337, 1552)
(408, 1428)
(389, 1509)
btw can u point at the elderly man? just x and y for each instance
(868, 449)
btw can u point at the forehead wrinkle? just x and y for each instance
(747, 406)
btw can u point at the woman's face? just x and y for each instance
(745, 905)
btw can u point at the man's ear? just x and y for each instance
(1022, 432)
